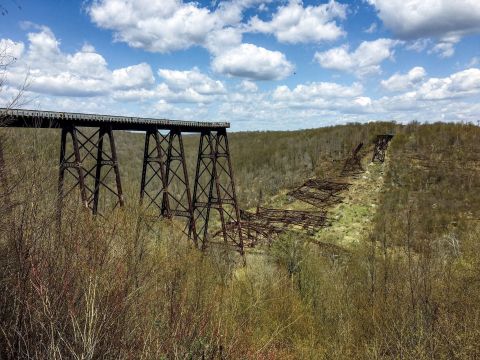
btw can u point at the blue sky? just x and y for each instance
(260, 64)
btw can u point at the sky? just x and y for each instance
(258, 64)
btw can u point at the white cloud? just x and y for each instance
(10, 51)
(446, 46)
(474, 61)
(371, 29)
(43, 46)
(294, 23)
(83, 73)
(411, 19)
(322, 95)
(447, 20)
(192, 79)
(320, 90)
(135, 76)
(363, 101)
(218, 41)
(418, 45)
(432, 95)
(59, 79)
(365, 60)
(461, 84)
(402, 82)
(248, 86)
(189, 86)
(253, 62)
(163, 92)
(170, 25)
(137, 95)
(156, 25)
(429, 100)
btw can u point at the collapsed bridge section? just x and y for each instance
(88, 158)
(320, 193)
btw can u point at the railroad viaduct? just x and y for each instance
(87, 156)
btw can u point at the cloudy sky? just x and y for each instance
(260, 64)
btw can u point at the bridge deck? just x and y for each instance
(53, 119)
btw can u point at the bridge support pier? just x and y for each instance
(381, 145)
(84, 161)
(353, 165)
(214, 188)
(164, 183)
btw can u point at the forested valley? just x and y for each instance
(403, 280)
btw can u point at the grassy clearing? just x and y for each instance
(353, 219)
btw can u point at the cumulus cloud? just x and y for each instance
(137, 95)
(402, 82)
(186, 95)
(441, 19)
(320, 90)
(192, 79)
(156, 25)
(218, 41)
(418, 45)
(135, 76)
(365, 60)
(323, 95)
(421, 98)
(253, 62)
(461, 84)
(10, 51)
(171, 25)
(195, 94)
(363, 101)
(412, 19)
(446, 46)
(294, 23)
(83, 73)
(433, 94)
(188, 86)
(248, 86)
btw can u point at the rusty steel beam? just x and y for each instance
(214, 189)
(327, 185)
(263, 226)
(67, 163)
(154, 180)
(165, 179)
(319, 199)
(53, 119)
(310, 220)
(84, 163)
(254, 233)
(320, 193)
(381, 145)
